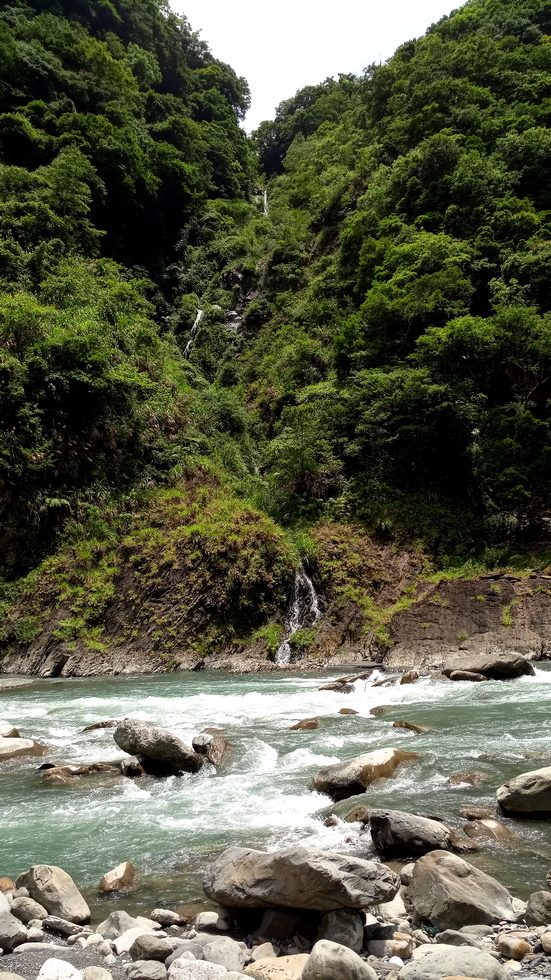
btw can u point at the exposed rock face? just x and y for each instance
(458, 961)
(527, 794)
(403, 834)
(56, 891)
(298, 877)
(331, 961)
(497, 664)
(155, 744)
(344, 779)
(450, 893)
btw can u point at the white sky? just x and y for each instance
(283, 45)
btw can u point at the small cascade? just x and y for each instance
(304, 611)
(265, 199)
(189, 346)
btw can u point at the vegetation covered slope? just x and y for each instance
(374, 352)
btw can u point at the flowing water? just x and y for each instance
(170, 827)
(193, 333)
(304, 611)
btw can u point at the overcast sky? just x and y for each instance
(283, 45)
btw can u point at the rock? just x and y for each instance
(348, 711)
(410, 726)
(512, 947)
(61, 926)
(467, 675)
(156, 745)
(344, 779)
(6, 885)
(54, 969)
(264, 951)
(462, 844)
(206, 920)
(149, 946)
(35, 935)
(399, 945)
(186, 946)
(216, 749)
(119, 879)
(497, 664)
(393, 911)
(538, 909)
(527, 794)
(96, 973)
(10, 748)
(132, 767)
(34, 947)
(473, 777)
(101, 724)
(12, 932)
(448, 892)
(10, 976)
(454, 937)
(488, 829)
(300, 877)
(339, 688)
(477, 813)
(410, 677)
(545, 940)
(343, 927)
(479, 931)
(397, 833)
(148, 924)
(124, 943)
(306, 725)
(284, 968)
(148, 970)
(457, 961)
(381, 709)
(8, 731)
(26, 909)
(167, 917)
(360, 814)
(182, 969)
(56, 891)
(116, 924)
(330, 961)
(227, 952)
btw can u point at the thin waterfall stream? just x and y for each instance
(304, 611)
(194, 330)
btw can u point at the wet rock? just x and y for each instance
(381, 709)
(343, 927)
(344, 779)
(477, 813)
(227, 952)
(360, 814)
(467, 675)
(12, 932)
(473, 777)
(410, 677)
(496, 664)
(340, 688)
(330, 961)
(459, 961)
(8, 731)
(403, 834)
(488, 829)
(116, 924)
(348, 711)
(26, 909)
(300, 877)
(10, 748)
(157, 746)
(461, 843)
(119, 879)
(216, 749)
(527, 794)
(56, 891)
(512, 947)
(448, 892)
(101, 724)
(284, 968)
(410, 726)
(132, 767)
(148, 970)
(538, 909)
(306, 725)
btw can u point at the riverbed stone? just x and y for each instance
(343, 927)
(26, 909)
(496, 664)
(399, 944)
(6, 886)
(10, 976)
(527, 794)
(343, 779)
(183, 969)
(98, 973)
(54, 889)
(10, 748)
(448, 892)
(7, 730)
(149, 946)
(455, 937)
(331, 961)
(488, 829)
(54, 969)
(459, 961)
(62, 926)
(538, 909)
(186, 946)
(119, 879)
(264, 951)
(166, 917)
(215, 748)
(227, 952)
(298, 877)
(116, 924)
(156, 745)
(12, 932)
(148, 970)
(122, 944)
(513, 947)
(282, 968)
(403, 834)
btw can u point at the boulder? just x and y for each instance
(61, 926)
(147, 970)
(186, 946)
(545, 943)
(298, 877)
(410, 726)
(216, 749)
(123, 943)
(26, 909)
(264, 951)
(403, 834)
(467, 675)
(227, 952)
(456, 961)
(10, 976)
(348, 711)
(343, 927)
(95, 973)
(8, 731)
(119, 879)
(284, 968)
(54, 969)
(116, 924)
(455, 937)
(477, 813)
(157, 746)
(182, 969)
(12, 747)
(343, 779)
(398, 944)
(54, 889)
(12, 932)
(488, 829)
(472, 777)
(148, 946)
(410, 677)
(538, 909)
(527, 794)
(330, 961)
(448, 892)
(497, 664)
(512, 947)
(166, 917)
(6, 885)
(306, 725)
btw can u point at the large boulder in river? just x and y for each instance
(10, 748)
(405, 835)
(450, 893)
(298, 877)
(344, 779)
(56, 891)
(165, 750)
(500, 665)
(527, 794)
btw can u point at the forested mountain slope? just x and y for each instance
(367, 388)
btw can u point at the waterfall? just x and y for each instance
(304, 611)
(265, 199)
(193, 334)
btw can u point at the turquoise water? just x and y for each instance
(168, 828)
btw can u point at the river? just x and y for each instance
(168, 828)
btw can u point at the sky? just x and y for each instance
(283, 45)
